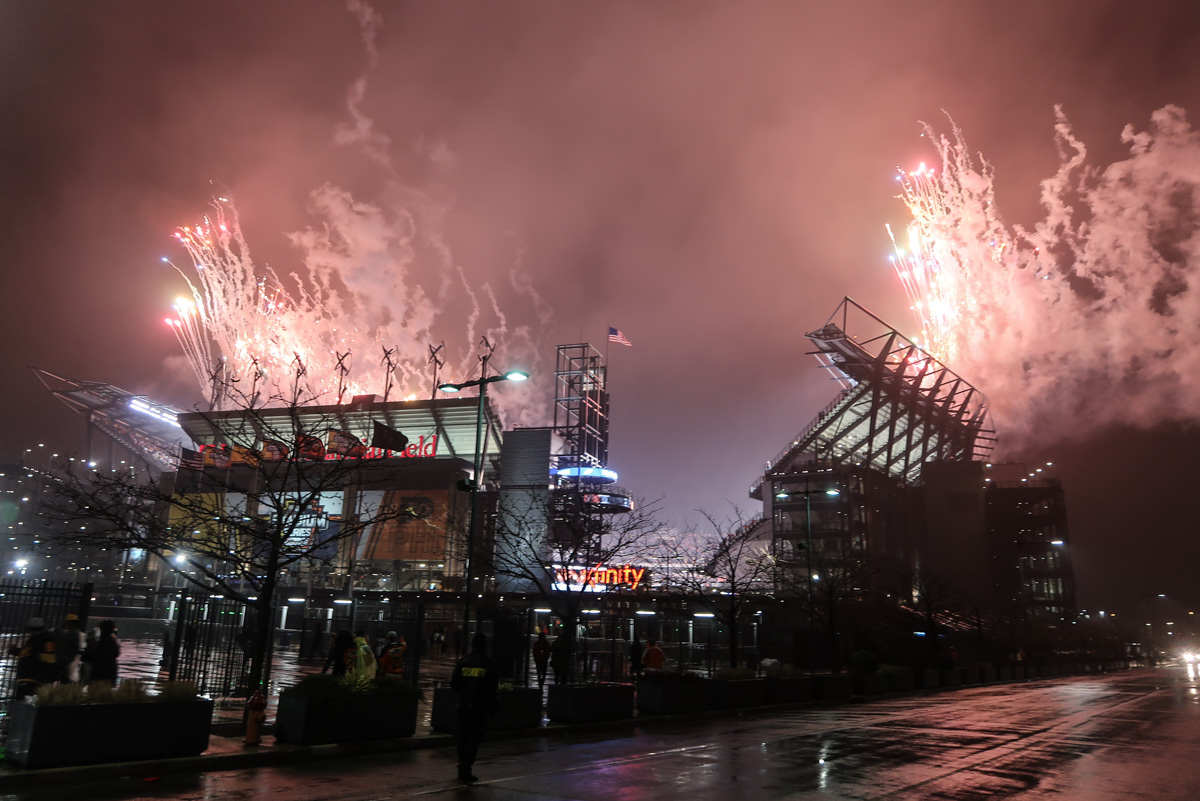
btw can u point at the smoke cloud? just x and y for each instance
(1086, 319)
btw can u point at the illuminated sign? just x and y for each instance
(591, 475)
(599, 578)
(313, 448)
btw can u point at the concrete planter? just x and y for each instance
(737, 693)
(589, 703)
(969, 675)
(518, 708)
(315, 721)
(672, 697)
(950, 678)
(987, 674)
(59, 736)
(929, 679)
(870, 683)
(788, 689)
(829, 686)
(904, 681)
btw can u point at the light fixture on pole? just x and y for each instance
(473, 485)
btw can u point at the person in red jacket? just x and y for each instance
(653, 658)
(391, 656)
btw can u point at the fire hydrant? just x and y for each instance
(256, 713)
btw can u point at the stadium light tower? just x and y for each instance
(473, 524)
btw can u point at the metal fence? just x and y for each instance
(21, 600)
(210, 642)
(373, 616)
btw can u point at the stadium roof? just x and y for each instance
(143, 427)
(899, 406)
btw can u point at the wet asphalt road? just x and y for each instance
(1125, 736)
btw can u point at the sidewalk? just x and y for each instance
(227, 750)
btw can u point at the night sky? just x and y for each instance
(710, 178)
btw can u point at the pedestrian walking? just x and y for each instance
(541, 658)
(391, 656)
(636, 649)
(437, 641)
(475, 681)
(102, 654)
(653, 658)
(69, 642)
(342, 654)
(36, 664)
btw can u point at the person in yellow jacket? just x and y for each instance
(364, 660)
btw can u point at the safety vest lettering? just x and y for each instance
(474, 672)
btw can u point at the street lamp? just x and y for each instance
(473, 486)
(783, 494)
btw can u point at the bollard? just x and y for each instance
(256, 713)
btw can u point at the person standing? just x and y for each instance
(437, 641)
(35, 659)
(364, 658)
(560, 658)
(69, 642)
(541, 658)
(635, 658)
(391, 656)
(102, 654)
(653, 658)
(342, 654)
(475, 681)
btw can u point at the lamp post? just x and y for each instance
(783, 495)
(473, 524)
(1149, 619)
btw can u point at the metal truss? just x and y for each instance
(899, 406)
(581, 405)
(141, 426)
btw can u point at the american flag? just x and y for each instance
(192, 460)
(616, 336)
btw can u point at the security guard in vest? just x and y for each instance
(475, 681)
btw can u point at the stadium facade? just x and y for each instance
(896, 469)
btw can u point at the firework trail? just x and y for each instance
(1088, 319)
(356, 322)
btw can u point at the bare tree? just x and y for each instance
(727, 567)
(253, 507)
(826, 582)
(564, 548)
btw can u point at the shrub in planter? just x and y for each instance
(589, 703)
(73, 725)
(324, 709)
(516, 708)
(672, 694)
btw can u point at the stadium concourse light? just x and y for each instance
(473, 486)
